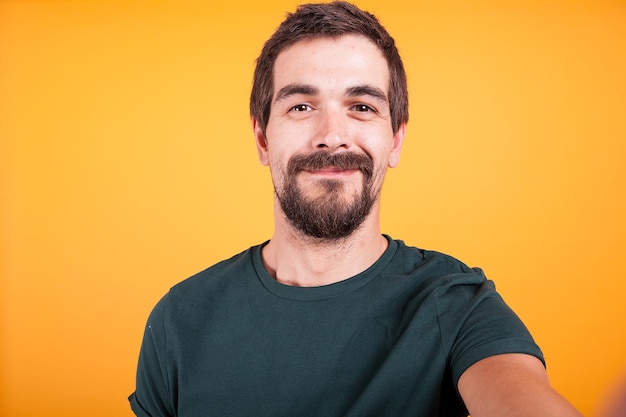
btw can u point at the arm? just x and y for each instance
(512, 385)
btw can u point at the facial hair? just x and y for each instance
(329, 216)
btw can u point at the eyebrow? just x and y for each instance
(367, 90)
(309, 90)
(293, 89)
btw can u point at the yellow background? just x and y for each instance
(127, 163)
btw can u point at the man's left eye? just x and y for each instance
(362, 108)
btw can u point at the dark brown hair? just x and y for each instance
(328, 20)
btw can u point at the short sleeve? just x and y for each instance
(152, 396)
(481, 325)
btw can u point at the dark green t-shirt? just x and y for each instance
(391, 341)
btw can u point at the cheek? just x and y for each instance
(382, 161)
(380, 155)
(278, 167)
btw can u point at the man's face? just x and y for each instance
(329, 139)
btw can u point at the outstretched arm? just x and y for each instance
(512, 385)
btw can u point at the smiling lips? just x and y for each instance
(331, 170)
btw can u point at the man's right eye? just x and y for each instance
(300, 107)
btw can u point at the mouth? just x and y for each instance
(332, 170)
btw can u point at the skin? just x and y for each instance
(330, 114)
(513, 385)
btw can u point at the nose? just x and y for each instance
(333, 131)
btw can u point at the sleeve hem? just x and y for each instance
(136, 407)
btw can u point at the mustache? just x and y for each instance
(323, 159)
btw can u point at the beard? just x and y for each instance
(329, 216)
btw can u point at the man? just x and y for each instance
(330, 317)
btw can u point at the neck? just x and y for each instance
(298, 260)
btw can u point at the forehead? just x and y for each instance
(332, 62)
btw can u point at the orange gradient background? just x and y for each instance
(127, 163)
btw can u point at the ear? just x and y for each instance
(396, 146)
(261, 142)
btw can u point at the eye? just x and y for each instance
(362, 108)
(300, 107)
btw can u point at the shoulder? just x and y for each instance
(213, 283)
(434, 265)
(436, 279)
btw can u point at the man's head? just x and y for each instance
(323, 100)
(328, 20)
